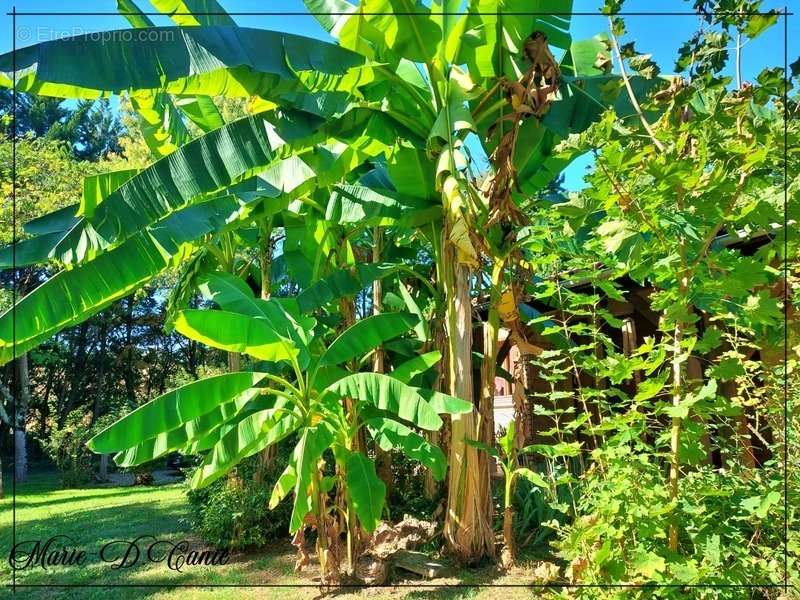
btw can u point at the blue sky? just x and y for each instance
(660, 35)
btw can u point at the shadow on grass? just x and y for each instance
(123, 491)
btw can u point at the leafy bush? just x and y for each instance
(731, 528)
(233, 511)
(407, 496)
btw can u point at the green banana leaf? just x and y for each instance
(190, 13)
(367, 491)
(343, 283)
(232, 294)
(502, 26)
(283, 485)
(205, 165)
(251, 435)
(32, 251)
(191, 431)
(416, 366)
(97, 188)
(133, 14)
(160, 122)
(391, 435)
(234, 332)
(365, 335)
(210, 61)
(362, 205)
(390, 395)
(201, 111)
(445, 404)
(172, 410)
(57, 221)
(76, 294)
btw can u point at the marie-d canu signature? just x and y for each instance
(61, 550)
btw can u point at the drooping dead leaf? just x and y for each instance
(531, 95)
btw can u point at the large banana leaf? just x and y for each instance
(47, 231)
(283, 486)
(252, 434)
(207, 164)
(416, 366)
(214, 435)
(223, 157)
(191, 431)
(230, 293)
(89, 288)
(342, 283)
(365, 335)
(392, 435)
(160, 122)
(211, 61)
(159, 116)
(76, 294)
(173, 409)
(502, 26)
(362, 205)
(133, 14)
(29, 252)
(390, 395)
(445, 404)
(234, 332)
(367, 491)
(97, 188)
(188, 13)
(57, 221)
(201, 111)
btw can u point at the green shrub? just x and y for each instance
(233, 512)
(731, 529)
(407, 496)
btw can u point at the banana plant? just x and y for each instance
(295, 389)
(507, 456)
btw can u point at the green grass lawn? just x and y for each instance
(93, 516)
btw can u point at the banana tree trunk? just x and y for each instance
(350, 524)
(383, 460)
(467, 528)
(267, 456)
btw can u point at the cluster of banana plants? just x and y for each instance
(380, 135)
(297, 387)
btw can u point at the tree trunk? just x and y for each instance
(467, 527)
(103, 473)
(383, 459)
(130, 376)
(101, 392)
(431, 487)
(267, 456)
(20, 436)
(350, 524)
